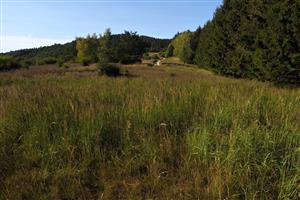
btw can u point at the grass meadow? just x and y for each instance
(164, 133)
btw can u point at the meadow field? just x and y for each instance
(166, 132)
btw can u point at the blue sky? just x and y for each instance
(33, 23)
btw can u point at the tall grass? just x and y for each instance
(165, 138)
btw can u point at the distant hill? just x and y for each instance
(156, 44)
(59, 51)
(67, 51)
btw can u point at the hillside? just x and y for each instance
(59, 51)
(66, 52)
(156, 44)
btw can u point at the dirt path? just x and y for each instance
(158, 63)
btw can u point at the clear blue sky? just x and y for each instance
(31, 24)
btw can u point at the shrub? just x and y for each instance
(8, 62)
(60, 63)
(170, 51)
(66, 65)
(155, 57)
(146, 56)
(109, 69)
(162, 54)
(39, 62)
(130, 59)
(26, 63)
(126, 73)
(50, 60)
(85, 62)
(44, 61)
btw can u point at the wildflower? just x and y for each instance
(163, 124)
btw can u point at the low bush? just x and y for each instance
(146, 56)
(126, 73)
(39, 62)
(85, 62)
(8, 62)
(46, 61)
(162, 54)
(130, 59)
(150, 64)
(26, 63)
(60, 63)
(66, 65)
(109, 69)
(155, 57)
(50, 61)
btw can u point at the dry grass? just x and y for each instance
(162, 133)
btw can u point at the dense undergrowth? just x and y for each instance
(163, 138)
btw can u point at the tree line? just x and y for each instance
(45, 55)
(184, 45)
(123, 48)
(257, 39)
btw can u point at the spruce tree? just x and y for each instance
(254, 39)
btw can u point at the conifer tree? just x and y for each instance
(253, 38)
(170, 51)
